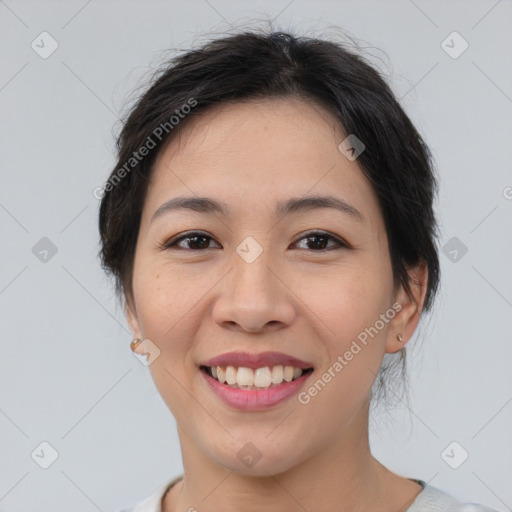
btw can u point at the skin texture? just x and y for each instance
(196, 304)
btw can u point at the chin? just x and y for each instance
(258, 459)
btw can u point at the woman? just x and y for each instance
(269, 224)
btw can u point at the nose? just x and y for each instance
(254, 298)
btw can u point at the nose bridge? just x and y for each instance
(252, 279)
(252, 296)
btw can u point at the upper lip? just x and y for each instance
(254, 361)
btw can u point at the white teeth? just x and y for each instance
(265, 377)
(277, 374)
(231, 375)
(288, 373)
(262, 377)
(245, 377)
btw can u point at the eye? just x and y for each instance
(196, 241)
(318, 241)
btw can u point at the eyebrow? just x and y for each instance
(302, 204)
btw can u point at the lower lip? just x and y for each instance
(254, 399)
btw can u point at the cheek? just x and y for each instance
(161, 291)
(166, 315)
(354, 337)
(163, 300)
(353, 300)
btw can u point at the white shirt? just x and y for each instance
(430, 499)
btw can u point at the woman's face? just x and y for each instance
(259, 279)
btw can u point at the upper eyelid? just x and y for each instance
(183, 236)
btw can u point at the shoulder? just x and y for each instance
(432, 499)
(153, 502)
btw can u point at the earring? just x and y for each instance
(400, 339)
(134, 343)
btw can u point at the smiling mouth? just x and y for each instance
(242, 377)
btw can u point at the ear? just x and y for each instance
(133, 322)
(407, 318)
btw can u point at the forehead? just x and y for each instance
(258, 153)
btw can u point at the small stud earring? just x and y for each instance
(134, 343)
(400, 339)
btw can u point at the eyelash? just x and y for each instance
(172, 243)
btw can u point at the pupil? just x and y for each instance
(201, 237)
(317, 245)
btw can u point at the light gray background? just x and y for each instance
(67, 375)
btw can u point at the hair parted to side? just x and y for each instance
(260, 64)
